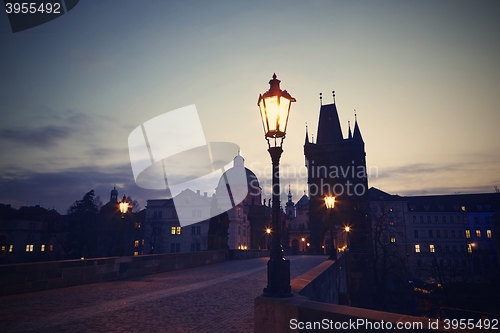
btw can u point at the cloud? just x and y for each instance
(41, 137)
(52, 128)
(61, 189)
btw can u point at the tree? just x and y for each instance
(153, 235)
(389, 260)
(81, 239)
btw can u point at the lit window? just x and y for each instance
(29, 248)
(11, 248)
(463, 208)
(417, 247)
(51, 247)
(175, 231)
(469, 248)
(42, 248)
(138, 225)
(136, 253)
(143, 242)
(478, 233)
(3, 247)
(393, 239)
(431, 248)
(467, 233)
(136, 243)
(488, 233)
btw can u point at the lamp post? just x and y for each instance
(268, 232)
(347, 229)
(330, 205)
(123, 209)
(274, 107)
(303, 244)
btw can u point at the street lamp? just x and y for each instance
(124, 206)
(347, 229)
(268, 232)
(274, 107)
(303, 244)
(123, 209)
(330, 205)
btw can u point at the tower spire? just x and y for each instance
(307, 136)
(357, 133)
(349, 125)
(320, 98)
(333, 93)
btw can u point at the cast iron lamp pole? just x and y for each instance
(123, 209)
(330, 205)
(274, 107)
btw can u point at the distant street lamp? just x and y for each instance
(347, 229)
(303, 244)
(268, 232)
(330, 205)
(274, 107)
(124, 206)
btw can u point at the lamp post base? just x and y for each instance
(278, 277)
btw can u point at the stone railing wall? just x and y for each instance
(247, 254)
(308, 311)
(28, 277)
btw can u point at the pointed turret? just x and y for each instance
(357, 133)
(329, 130)
(350, 134)
(307, 136)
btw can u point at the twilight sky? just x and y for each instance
(423, 76)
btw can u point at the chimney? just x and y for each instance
(198, 192)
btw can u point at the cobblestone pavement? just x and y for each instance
(213, 298)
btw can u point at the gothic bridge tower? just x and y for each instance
(337, 166)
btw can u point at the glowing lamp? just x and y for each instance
(274, 107)
(124, 205)
(330, 202)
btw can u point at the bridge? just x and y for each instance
(212, 298)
